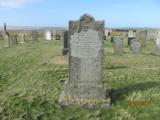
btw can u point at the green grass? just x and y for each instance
(32, 77)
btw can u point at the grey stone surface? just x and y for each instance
(65, 44)
(135, 46)
(142, 37)
(85, 86)
(118, 45)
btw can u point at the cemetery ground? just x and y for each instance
(32, 76)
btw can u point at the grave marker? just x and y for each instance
(135, 46)
(85, 86)
(118, 45)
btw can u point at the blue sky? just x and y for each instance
(57, 13)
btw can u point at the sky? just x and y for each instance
(57, 13)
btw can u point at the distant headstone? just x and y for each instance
(6, 34)
(118, 45)
(135, 46)
(131, 36)
(85, 86)
(22, 37)
(34, 35)
(142, 37)
(48, 35)
(158, 42)
(6, 41)
(65, 47)
(14, 38)
(58, 37)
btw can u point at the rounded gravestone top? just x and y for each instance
(87, 18)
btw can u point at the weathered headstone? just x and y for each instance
(58, 37)
(135, 46)
(65, 47)
(131, 36)
(158, 42)
(85, 86)
(48, 35)
(118, 45)
(142, 37)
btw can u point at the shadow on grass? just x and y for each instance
(117, 94)
(116, 67)
(152, 54)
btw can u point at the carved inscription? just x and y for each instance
(85, 44)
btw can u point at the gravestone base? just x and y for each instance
(89, 97)
(65, 51)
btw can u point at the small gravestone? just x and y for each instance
(142, 37)
(22, 37)
(13, 38)
(118, 45)
(158, 42)
(85, 86)
(48, 35)
(65, 47)
(6, 41)
(131, 36)
(135, 46)
(58, 37)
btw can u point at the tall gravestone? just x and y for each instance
(85, 86)
(158, 42)
(65, 46)
(135, 46)
(141, 36)
(7, 41)
(131, 36)
(118, 45)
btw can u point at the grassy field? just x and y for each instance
(32, 77)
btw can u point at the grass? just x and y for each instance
(32, 77)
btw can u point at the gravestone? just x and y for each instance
(131, 36)
(142, 37)
(34, 35)
(6, 34)
(65, 46)
(22, 37)
(58, 37)
(118, 45)
(6, 40)
(13, 38)
(85, 86)
(48, 35)
(158, 42)
(135, 46)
